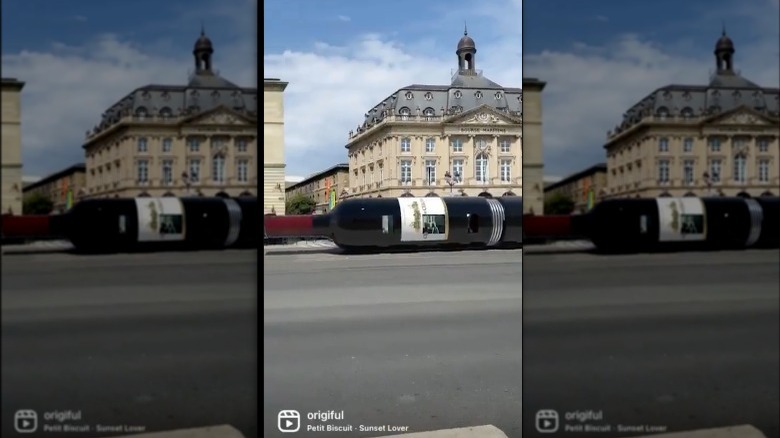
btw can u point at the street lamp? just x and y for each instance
(186, 179)
(450, 179)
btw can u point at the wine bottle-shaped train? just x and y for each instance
(376, 224)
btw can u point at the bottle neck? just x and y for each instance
(297, 226)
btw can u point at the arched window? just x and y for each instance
(481, 168)
(405, 112)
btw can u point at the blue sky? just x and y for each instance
(600, 57)
(341, 57)
(77, 58)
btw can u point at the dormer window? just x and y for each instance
(458, 94)
(429, 96)
(499, 96)
(478, 95)
(405, 112)
(409, 95)
(141, 112)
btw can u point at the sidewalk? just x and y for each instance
(38, 247)
(559, 247)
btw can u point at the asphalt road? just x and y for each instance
(681, 341)
(425, 341)
(159, 341)
(434, 340)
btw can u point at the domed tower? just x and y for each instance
(202, 52)
(467, 53)
(724, 54)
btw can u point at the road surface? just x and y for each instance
(683, 341)
(433, 340)
(157, 341)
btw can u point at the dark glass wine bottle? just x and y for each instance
(374, 223)
(106, 225)
(687, 223)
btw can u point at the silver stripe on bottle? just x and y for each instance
(497, 211)
(234, 217)
(756, 218)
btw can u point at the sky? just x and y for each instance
(600, 57)
(78, 58)
(342, 57)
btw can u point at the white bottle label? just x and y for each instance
(681, 220)
(160, 219)
(423, 219)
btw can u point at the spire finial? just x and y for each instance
(465, 28)
(724, 27)
(202, 28)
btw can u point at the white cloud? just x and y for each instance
(344, 18)
(590, 87)
(67, 88)
(331, 85)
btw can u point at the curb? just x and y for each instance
(743, 431)
(41, 247)
(488, 431)
(223, 431)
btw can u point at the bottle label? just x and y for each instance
(681, 219)
(160, 219)
(423, 219)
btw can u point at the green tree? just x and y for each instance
(558, 204)
(300, 204)
(37, 203)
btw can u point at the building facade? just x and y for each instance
(533, 146)
(198, 139)
(273, 146)
(325, 187)
(461, 139)
(585, 188)
(63, 188)
(715, 139)
(11, 154)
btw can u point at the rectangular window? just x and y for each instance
(505, 146)
(457, 145)
(167, 172)
(241, 145)
(430, 172)
(142, 171)
(663, 171)
(430, 145)
(218, 169)
(457, 170)
(688, 145)
(714, 144)
(481, 168)
(688, 172)
(740, 169)
(406, 144)
(242, 170)
(763, 171)
(193, 144)
(663, 145)
(143, 145)
(406, 171)
(763, 145)
(194, 169)
(715, 169)
(506, 171)
(167, 145)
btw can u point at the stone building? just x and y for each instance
(464, 138)
(11, 154)
(694, 140)
(177, 140)
(325, 187)
(273, 146)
